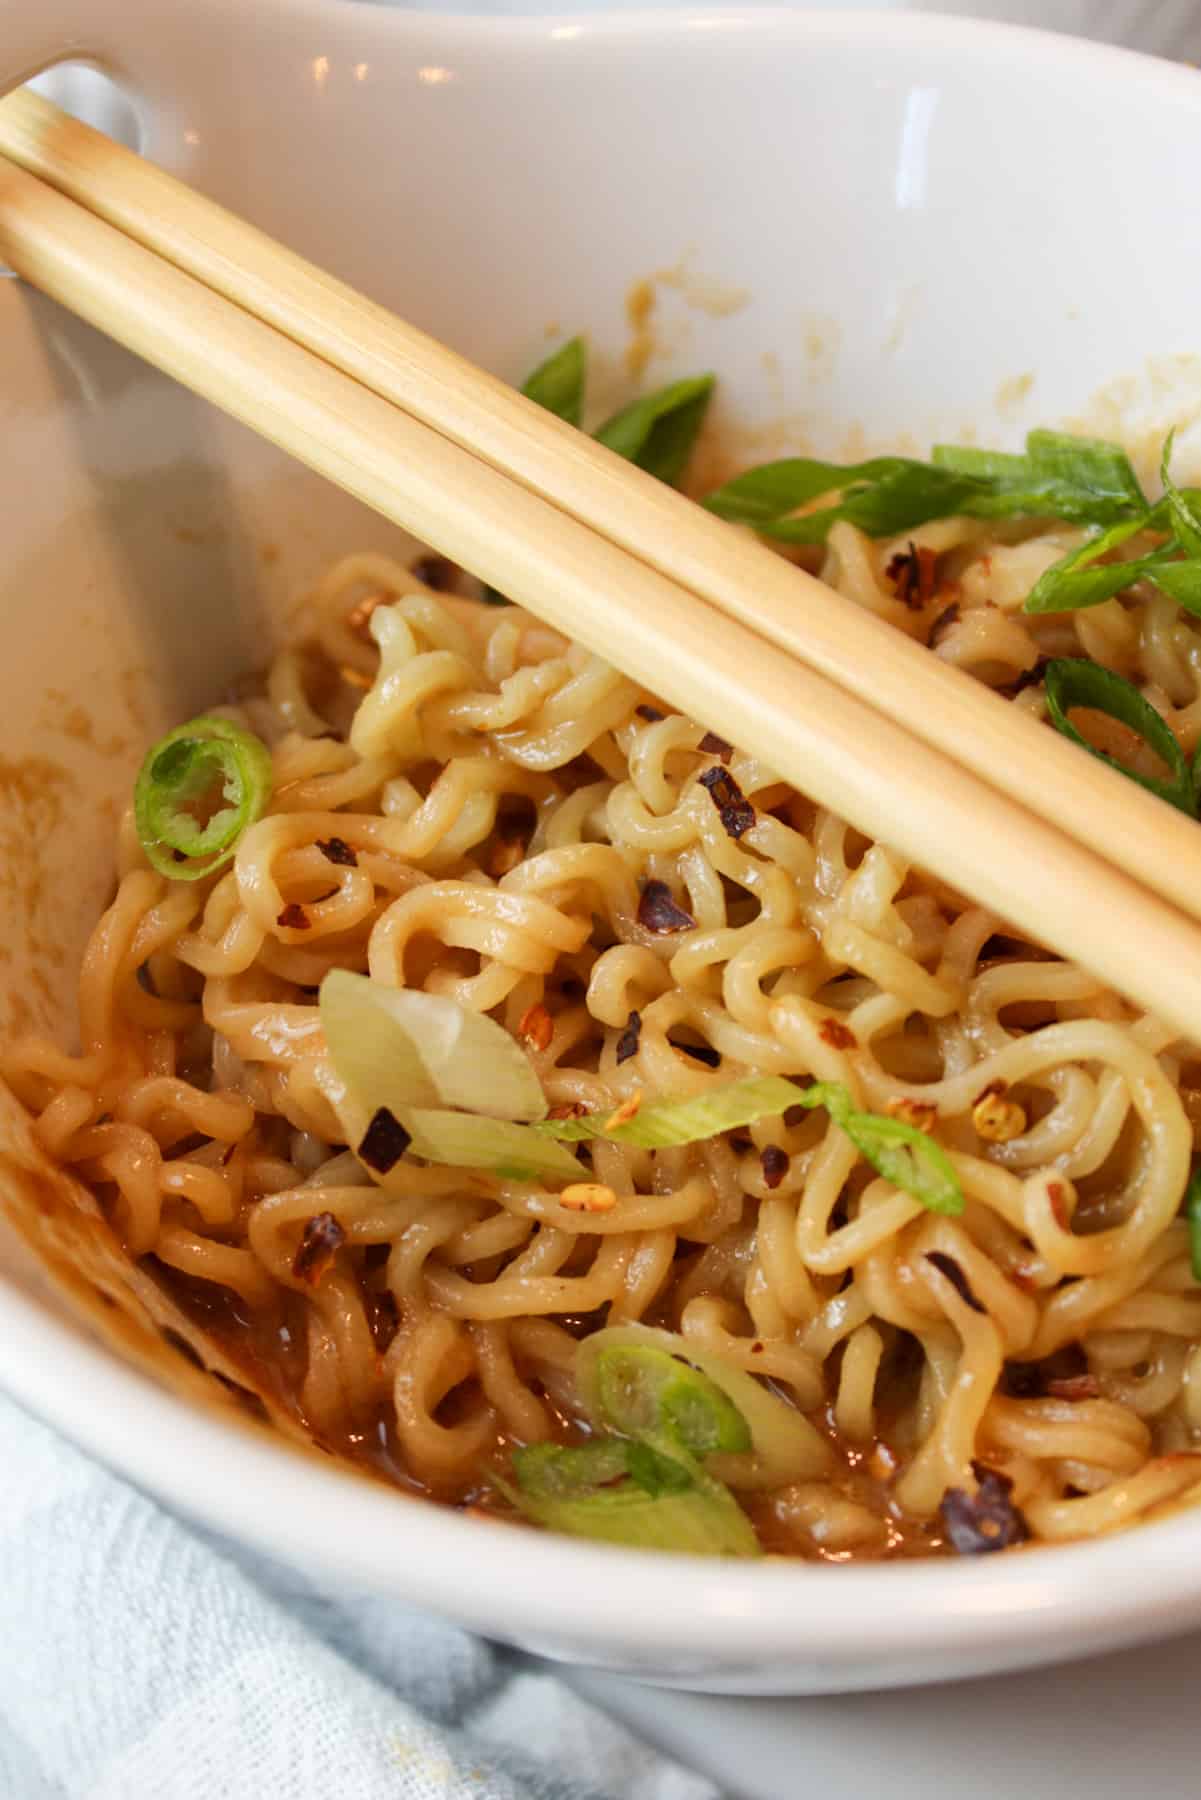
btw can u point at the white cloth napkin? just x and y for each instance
(142, 1660)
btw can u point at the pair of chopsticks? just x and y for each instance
(864, 720)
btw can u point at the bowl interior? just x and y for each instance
(877, 230)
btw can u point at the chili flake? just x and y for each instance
(733, 808)
(987, 1520)
(713, 745)
(323, 1238)
(921, 1114)
(337, 850)
(627, 1043)
(536, 1027)
(912, 573)
(384, 1141)
(658, 912)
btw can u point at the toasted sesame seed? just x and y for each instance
(998, 1120)
(588, 1197)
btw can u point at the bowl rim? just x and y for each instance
(1036, 1604)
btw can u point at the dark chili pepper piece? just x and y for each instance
(713, 745)
(384, 1142)
(337, 850)
(977, 1524)
(658, 912)
(627, 1043)
(912, 573)
(323, 1238)
(733, 808)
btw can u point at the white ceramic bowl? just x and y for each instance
(888, 226)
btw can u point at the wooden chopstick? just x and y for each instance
(826, 741)
(895, 676)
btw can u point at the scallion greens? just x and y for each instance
(196, 792)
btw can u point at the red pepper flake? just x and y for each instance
(713, 745)
(627, 1043)
(774, 1163)
(294, 917)
(337, 850)
(536, 1027)
(1075, 1387)
(943, 624)
(987, 1520)
(837, 1035)
(384, 1141)
(323, 1238)
(913, 575)
(646, 711)
(568, 1109)
(733, 808)
(658, 912)
(757, 1348)
(437, 572)
(946, 1265)
(921, 1114)
(1057, 1195)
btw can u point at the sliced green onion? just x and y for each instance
(909, 1158)
(1192, 1212)
(1074, 681)
(1180, 581)
(462, 1141)
(783, 1446)
(1057, 476)
(620, 1492)
(657, 432)
(1080, 579)
(558, 383)
(1186, 522)
(206, 766)
(666, 1123)
(645, 1391)
(399, 1047)
(773, 490)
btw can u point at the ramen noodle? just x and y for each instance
(459, 803)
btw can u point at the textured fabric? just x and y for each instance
(142, 1660)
